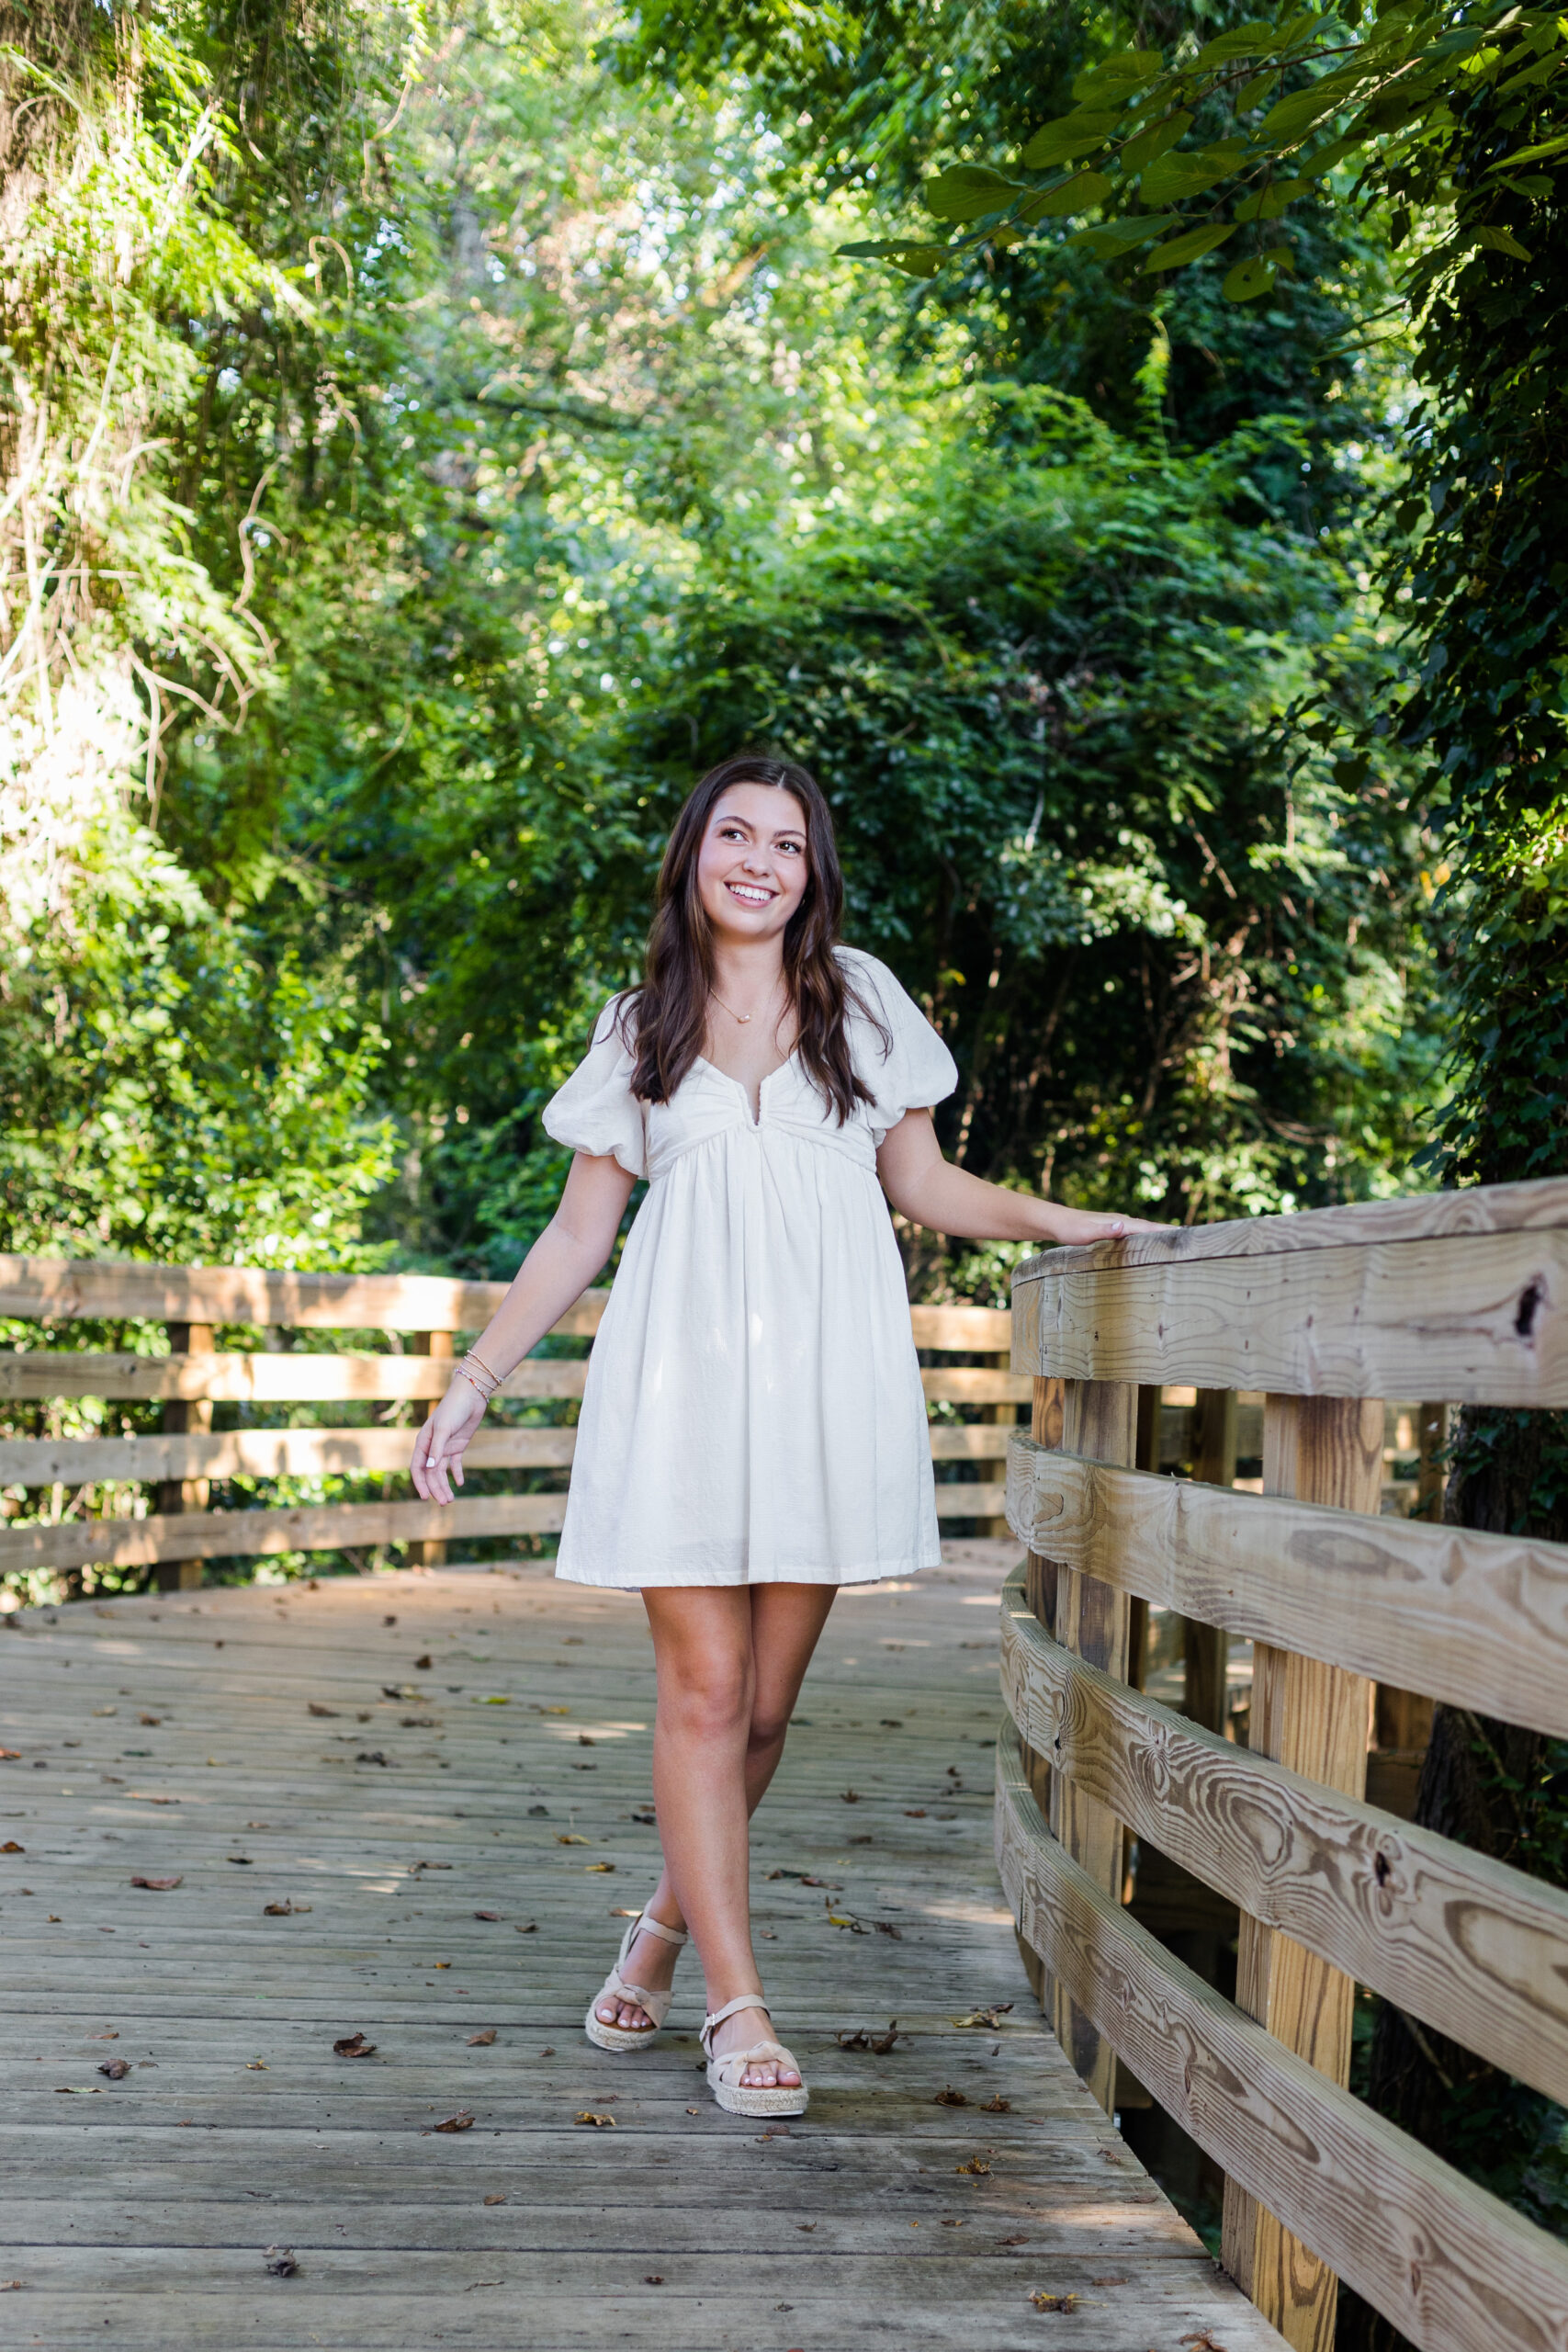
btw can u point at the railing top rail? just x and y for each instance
(63, 1290)
(1541, 1206)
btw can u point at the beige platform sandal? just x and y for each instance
(724, 2074)
(616, 1988)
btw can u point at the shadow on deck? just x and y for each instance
(416, 1807)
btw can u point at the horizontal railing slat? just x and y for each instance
(290, 1377)
(265, 1454)
(76, 1289)
(1481, 1319)
(973, 1385)
(1473, 1619)
(1450, 2266)
(1461, 1942)
(1452, 1217)
(250, 1534)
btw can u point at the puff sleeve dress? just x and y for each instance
(753, 1411)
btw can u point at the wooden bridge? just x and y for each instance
(242, 1827)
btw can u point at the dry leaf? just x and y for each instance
(978, 2165)
(990, 2018)
(284, 1910)
(600, 1866)
(951, 2223)
(653, 2279)
(429, 1866)
(885, 2041)
(11, 1847)
(583, 1741)
(9, 2285)
(416, 1723)
(487, 1914)
(256, 2066)
(849, 1796)
(886, 1927)
(998, 2106)
(1205, 2342)
(462, 2121)
(152, 1720)
(482, 2041)
(116, 2069)
(422, 1665)
(389, 1621)
(160, 1885)
(279, 2260)
(110, 2035)
(1044, 2303)
(11, 1755)
(600, 2122)
(570, 1837)
(532, 1929)
(950, 2097)
(353, 2045)
(497, 2199)
(853, 2041)
(313, 1708)
(441, 1963)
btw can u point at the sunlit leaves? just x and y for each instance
(968, 191)
(1248, 279)
(1075, 134)
(1192, 246)
(1141, 151)
(1076, 195)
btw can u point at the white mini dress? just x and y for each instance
(753, 1411)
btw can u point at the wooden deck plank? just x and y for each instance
(138, 2211)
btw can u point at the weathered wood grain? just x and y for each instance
(1099, 1421)
(1473, 1619)
(1451, 2267)
(290, 1377)
(1479, 1318)
(1465, 1944)
(1540, 1207)
(252, 1535)
(148, 2206)
(974, 1385)
(266, 1454)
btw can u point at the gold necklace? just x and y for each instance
(743, 1017)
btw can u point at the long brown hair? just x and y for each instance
(671, 1008)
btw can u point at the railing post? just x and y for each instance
(1314, 1718)
(182, 1417)
(430, 1552)
(1040, 1590)
(1205, 1649)
(1099, 1421)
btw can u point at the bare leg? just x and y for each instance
(731, 1660)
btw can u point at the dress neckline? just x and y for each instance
(740, 1087)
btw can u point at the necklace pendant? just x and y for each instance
(743, 1018)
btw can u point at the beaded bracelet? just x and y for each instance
(478, 1375)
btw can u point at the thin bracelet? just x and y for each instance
(474, 1356)
(483, 1384)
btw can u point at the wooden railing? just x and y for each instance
(1464, 1296)
(118, 1471)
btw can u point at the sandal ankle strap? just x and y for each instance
(716, 2016)
(647, 1926)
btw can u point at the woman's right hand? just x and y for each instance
(439, 1448)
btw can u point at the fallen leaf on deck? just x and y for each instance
(998, 2106)
(116, 2069)
(461, 2121)
(441, 1963)
(653, 2279)
(159, 1885)
(1109, 2282)
(389, 1621)
(583, 1741)
(280, 2261)
(76, 2090)
(1044, 2303)
(430, 1866)
(353, 2045)
(600, 2122)
(284, 1910)
(892, 1722)
(853, 2041)
(833, 1885)
(487, 1914)
(97, 1711)
(886, 1927)
(570, 1837)
(11, 1755)
(497, 2199)
(256, 2066)
(987, 2018)
(952, 2225)
(482, 2041)
(313, 1708)
(416, 1723)
(494, 1700)
(849, 1796)
(154, 1719)
(244, 1859)
(11, 1847)
(885, 2041)
(552, 1711)
(9, 2285)
(836, 1921)
(370, 1755)
(532, 1929)
(950, 2097)
(1205, 2342)
(600, 1866)
(112, 2035)
(978, 2165)
(1018, 2241)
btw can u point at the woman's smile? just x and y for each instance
(751, 894)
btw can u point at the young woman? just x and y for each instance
(753, 1430)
